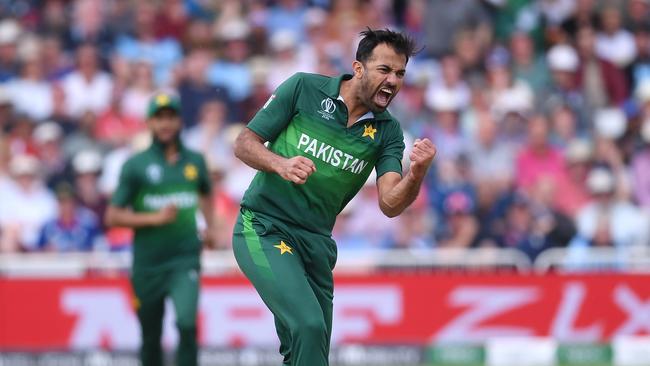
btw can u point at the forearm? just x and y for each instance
(207, 209)
(123, 217)
(250, 149)
(395, 200)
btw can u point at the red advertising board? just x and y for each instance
(41, 314)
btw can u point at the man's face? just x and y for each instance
(165, 125)
(382, 76)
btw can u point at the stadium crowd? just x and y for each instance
(540, 110)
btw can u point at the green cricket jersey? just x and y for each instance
(305, 116)
(147, 184)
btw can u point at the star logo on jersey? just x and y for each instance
(284, 248)
(162, 99)
(368, 130)
(190, 172)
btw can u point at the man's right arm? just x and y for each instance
(125, 217)
(249, 148)
(119, 212)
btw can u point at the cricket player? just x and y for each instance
(325, 136)
(159, 192)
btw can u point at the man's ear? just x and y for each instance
(358, 69)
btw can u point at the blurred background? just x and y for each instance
(528, 243)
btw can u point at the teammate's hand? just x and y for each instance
(167, 214)
(296, 169)
(421, 156)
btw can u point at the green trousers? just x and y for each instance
(182, 286)
(292, 272)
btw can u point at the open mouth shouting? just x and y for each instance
(384, 96)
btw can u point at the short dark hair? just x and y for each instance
(401, 43)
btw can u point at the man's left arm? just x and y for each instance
(396, 193)
(206, 206)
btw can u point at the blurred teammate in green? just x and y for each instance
(159, 192)
(325, 136)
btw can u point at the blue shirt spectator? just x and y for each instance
(75, 229)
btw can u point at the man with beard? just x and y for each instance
(325, 136)
(159, 192)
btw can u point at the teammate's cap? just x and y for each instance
(161, 101)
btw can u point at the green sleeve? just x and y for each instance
(127, 187)
(390, 157)
(278, 110)
(205, 185)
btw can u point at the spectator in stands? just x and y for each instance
(138, 93)
(564, 126)
(526, 65)
(26, 205)
(163, 53)
(637, 14)
(10, 32)
(88, 27)
(193, 87)
(444, 18)
(538, 159)
(607, 220)
(491, 158)
(641, 169)
(571, 194)
(208, 137)
(75, 229)
(615, 43)
(520, 230)
(585, 15)
(286, 15)
(31, 93)
(231, 71)
(287, 58)
(450, 83)
(113, 127)
(445, 130)
(414, 227)
(48, 137)
(603, 84)
(87, 88)
(87, 166)
(172, 20)
(563, 62)
(460, 227)
(639, 70)
(20, 137)
(506, 94)
(56, 63)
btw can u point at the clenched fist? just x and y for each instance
(296, 169)
(421, 156)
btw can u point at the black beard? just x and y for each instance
(367, 95)
(164, 145)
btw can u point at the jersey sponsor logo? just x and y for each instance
(154, 173)
(284, 248)
(268, 101)
(190, 172)
(330, 155)
(179, 199)
(328, 106)
(369, 130)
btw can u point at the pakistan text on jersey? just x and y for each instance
(330, 154)
(179, 199)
